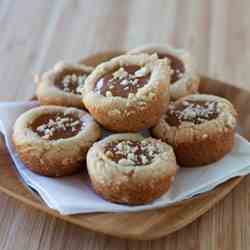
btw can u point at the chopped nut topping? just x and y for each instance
(72, 83)
(127, 78)
(133, 153)
(196, 112)
(142, 72)
(56, 126)
(123, 81)
(121, 73)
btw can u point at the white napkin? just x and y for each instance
(72, 195)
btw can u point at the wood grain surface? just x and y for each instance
(36, 34)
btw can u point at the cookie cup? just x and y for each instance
(133, 184)
(59, 157)
(189, 82)
(139, 110)
(49, 94)
(200, 144)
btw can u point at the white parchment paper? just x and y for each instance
(71, 195)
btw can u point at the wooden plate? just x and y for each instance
(141, 225)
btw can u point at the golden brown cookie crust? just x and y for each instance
(54, 157)
(138, 111)
(200, 144)
(189, 82)
(130, 184)
(49, 94)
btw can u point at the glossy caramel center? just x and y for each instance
(128, 152)
(122, 81)
(196, 112)
(57, 126)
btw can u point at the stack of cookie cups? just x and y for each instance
(154, 88)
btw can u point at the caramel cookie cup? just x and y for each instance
(53, 140)
(61, 85)
(128, 93)
(131, 169)
(184, 79)
(200, 128)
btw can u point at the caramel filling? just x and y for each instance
(176, 66)
(71, 81)
(196, 112)
(123, 81)
(57, 126)
(128, 152)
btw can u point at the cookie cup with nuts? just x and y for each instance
(61, 85)
(53, 140)
(128, 93)
(131, 169)
(201, 129)
(184, 78)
